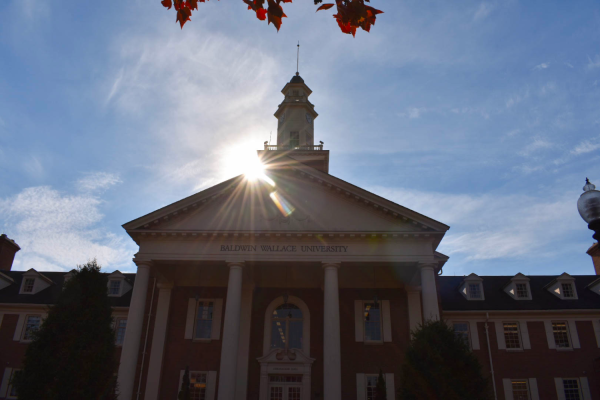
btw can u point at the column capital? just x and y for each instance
(331, 264)
(238, 264)
(142, 263)
(424, 265)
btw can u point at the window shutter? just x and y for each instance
(358, 321)
(585, 388)
(360, 387)
(595, 323)
(500, 335)
(19, 329)
(574, 336)
(5, 378)
(211, 385)
(2, 316)
(508, 394)
(560, 389)
(524, 335)
(191, 317)
(216, 322)
(533, 389)
(474, 335)
(387, 321)
(550, 337)
(180, 382)
(389, 387)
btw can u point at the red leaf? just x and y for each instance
(261, 14)
(275, 14)
(325, 6)
(193, 4)
(183, 16)
(167, 3)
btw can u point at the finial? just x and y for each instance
(298, 60)
(588, 186)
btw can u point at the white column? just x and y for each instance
(332, 364)
(158, 341)
(231, 333)
(431, 310)
(244, 344)
(133, 332)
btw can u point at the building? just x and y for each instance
(299, 285)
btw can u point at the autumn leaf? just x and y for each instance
(325, 6)
(167, 3)
(183, 15)
(275, 14)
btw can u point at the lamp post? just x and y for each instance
(588, 206)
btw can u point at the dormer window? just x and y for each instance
(518, 287)
(28, 285)
(563, 287)
(472, 288)
(475, 291)
(114, 287)
(567, 290)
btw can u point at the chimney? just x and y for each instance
(594, 252)
(8, 249)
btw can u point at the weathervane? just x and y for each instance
(298, 60)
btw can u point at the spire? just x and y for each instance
(298, 60)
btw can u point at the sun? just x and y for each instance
(254, 169)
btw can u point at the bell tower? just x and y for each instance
(296, 117)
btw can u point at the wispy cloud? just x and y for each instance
(97, 181)
(489, 226)
(536, 145)
(412, 112)
(586, 146)
(57, 231)
(541, 66)
(593, 63)
(483, 11)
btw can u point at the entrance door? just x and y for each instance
(285, 387)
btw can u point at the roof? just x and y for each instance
(10, 294)
(496, 299)
(297, 79)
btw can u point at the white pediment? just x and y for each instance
(298, 201)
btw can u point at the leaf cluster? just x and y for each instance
(440, 365)
(72, 355)
(351, 14)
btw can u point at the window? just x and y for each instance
(28, 285)
(371, 386)
(461, 330)
(121, 325)
(474, 291)
(295, 93)
(294, 139)
(511, 335)
(567, 289)
(285, 387)
(32, 324)
(520, 390)
(522, 292)
(572, 390)
(114, 287)
(372, 320)
(561, 335)
(286, 327)
(204, 319)
(197, 385)
(11, 391)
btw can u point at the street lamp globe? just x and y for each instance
(588, 206)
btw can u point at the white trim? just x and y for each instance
(305, 323)
(584, 387)
(211, 385)
(216, 323)
(474, 334)
(507, 384)
(159, 335)
(596, 325)
(533, 389)
(573, 336)
(390, 389)
(549, 335)
(524, 335)
(359, 325)
(5, 380)
(387, 322)
(241, 384)
(190, 319)
(499, 325)
(360, 387)
(19, 328)
(560, 389)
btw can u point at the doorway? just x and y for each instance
(285, 387)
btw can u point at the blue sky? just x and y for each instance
(483, 115)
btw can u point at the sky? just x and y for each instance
(482, 115)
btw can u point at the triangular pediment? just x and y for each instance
(294, 199)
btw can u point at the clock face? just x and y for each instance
(308, 118)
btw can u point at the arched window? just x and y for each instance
(287, 327)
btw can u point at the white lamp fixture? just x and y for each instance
(588, 206)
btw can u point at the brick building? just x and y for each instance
(298, 285)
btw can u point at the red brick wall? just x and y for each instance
(540, 362)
